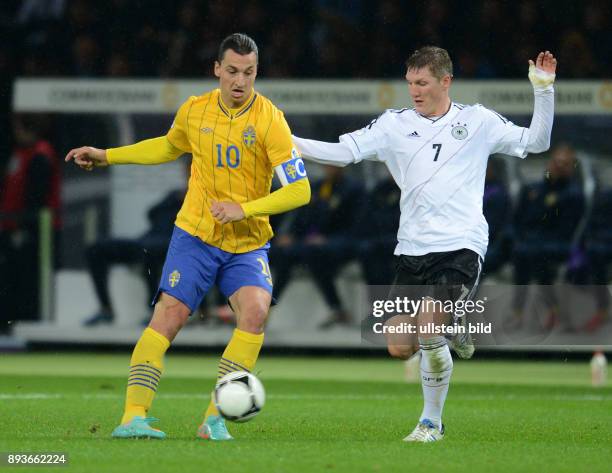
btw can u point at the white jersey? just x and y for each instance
(440, 165)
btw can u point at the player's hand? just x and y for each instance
(542, 71)
(225, 212)
(87, 157)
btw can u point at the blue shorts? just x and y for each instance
(192, 267)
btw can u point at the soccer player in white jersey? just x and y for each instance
(437, 153)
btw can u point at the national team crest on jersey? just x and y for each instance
(460, 131)
(174, 278)
(249, 136)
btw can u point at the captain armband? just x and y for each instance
(292, 170)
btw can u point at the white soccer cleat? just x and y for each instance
(425, 431)
(462, 342)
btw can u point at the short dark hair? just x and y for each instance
(437, 59)
(240, 43)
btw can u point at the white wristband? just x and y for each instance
(540, 79)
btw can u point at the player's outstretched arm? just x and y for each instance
(542, 73)
(153, 151)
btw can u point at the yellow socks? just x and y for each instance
(146, 367)
(240, 355)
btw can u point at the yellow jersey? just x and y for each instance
(234, 154)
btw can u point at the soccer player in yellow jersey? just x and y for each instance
(238, 139)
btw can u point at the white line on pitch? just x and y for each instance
(307, 397)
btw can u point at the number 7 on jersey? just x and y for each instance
(437, 147)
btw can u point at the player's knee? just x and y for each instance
(254, 318)
(170, 316)
(403, 352)
(176, 310)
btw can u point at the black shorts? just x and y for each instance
(444, 276)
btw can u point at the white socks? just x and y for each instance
(436, 370)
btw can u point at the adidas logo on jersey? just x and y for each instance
(414, 134)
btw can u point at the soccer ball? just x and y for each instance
(239, 396)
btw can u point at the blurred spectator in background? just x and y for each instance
(488, 32)
(596, 26)
(286, 54)
(323, 38)
(375, 233)
(547, 216)
(31, 182)
(497, 211)
(471, 64)
(575, 48)
(86, 57)
(148, 251)
(118, 65)
(598, 244)
(318, 239)
(34, 11)
(184, 41)
(6, 85)
(383, 38)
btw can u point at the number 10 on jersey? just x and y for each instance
(232, 156)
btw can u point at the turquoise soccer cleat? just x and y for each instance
(213, 428)
(138, 428)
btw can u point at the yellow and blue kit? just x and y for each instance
(235, 154)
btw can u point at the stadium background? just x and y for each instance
(106, 74)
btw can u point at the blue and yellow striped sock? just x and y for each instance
(146, 367)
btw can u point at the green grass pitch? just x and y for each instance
(321, 415)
